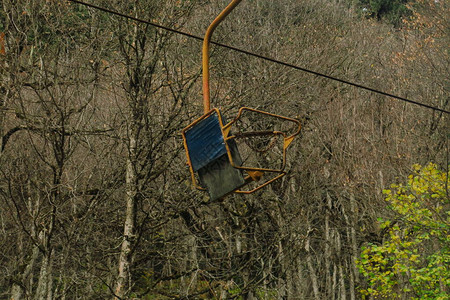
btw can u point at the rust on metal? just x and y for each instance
(205, 59)
(252, 174)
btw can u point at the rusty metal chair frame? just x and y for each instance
(253, 174)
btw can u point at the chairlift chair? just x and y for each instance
(212, 151)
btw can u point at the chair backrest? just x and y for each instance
(209, 156)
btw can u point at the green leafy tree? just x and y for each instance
(392, 10)
(413, 259)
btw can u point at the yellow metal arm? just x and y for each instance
(206, 41)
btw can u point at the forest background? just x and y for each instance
(96, 199)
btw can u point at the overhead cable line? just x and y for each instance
(262, 57)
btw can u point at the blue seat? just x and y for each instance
(208, 156)
(205, 142)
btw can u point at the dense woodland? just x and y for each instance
(96, 200)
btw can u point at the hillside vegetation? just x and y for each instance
(96, 198)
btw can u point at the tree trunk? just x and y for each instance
(4, 95)
(312, 271)
(50, 277)
(125, 258)
(43, 290)
(282, 292)
(353, 218)
(17, 291)
(342, 295)
(328, 287)
(191, 264)
(333, 296)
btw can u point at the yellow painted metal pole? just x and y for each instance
(205, 60)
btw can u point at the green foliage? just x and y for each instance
(413, 260)
(392, 10)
